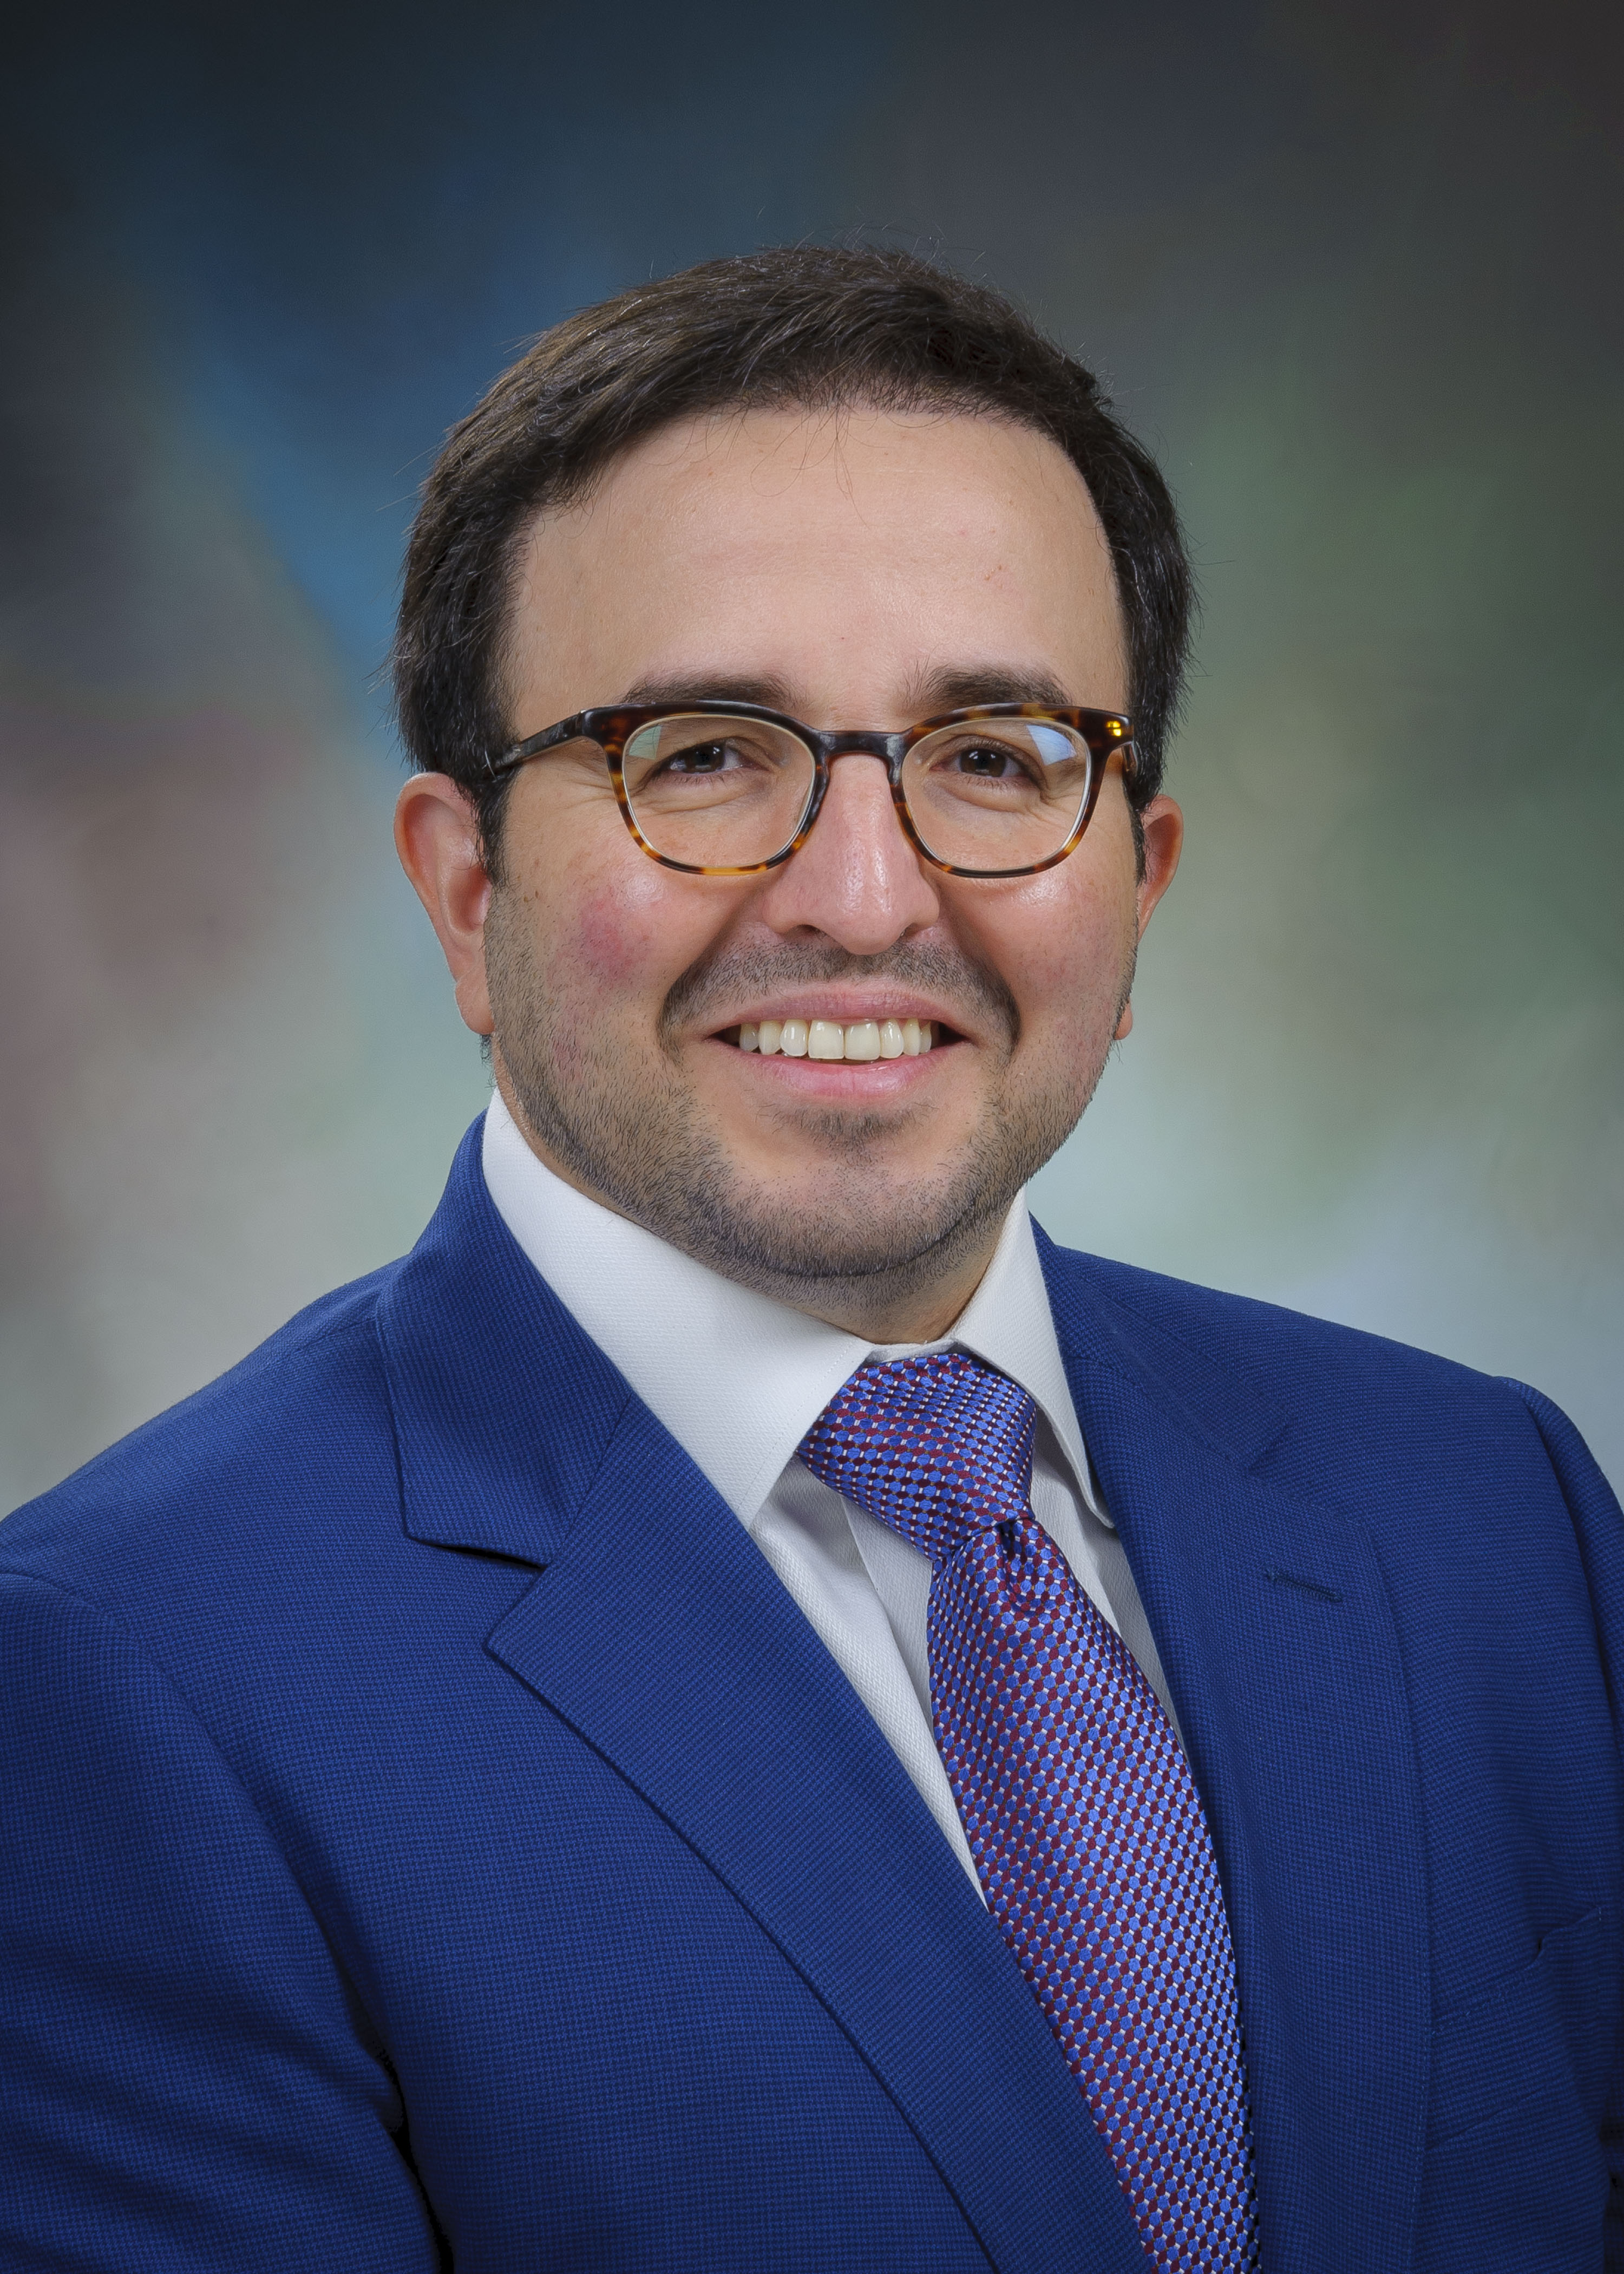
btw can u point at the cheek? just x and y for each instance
(593, 906)
(611, 940)
(1064, 952)
(592, 955)
(617, 933)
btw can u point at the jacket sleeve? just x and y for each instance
(186, 2083)
(1599, 1526)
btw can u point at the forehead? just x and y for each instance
(834, 558)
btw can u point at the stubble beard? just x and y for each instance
(634, 1133)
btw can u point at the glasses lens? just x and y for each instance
(997, 793)
(718, 792)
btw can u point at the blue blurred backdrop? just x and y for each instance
(1350, 268)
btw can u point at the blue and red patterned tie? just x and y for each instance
(1077, 1799)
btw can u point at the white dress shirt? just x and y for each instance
(739, 1379)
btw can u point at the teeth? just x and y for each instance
(827, 1038)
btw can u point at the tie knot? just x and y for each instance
(936, 1446)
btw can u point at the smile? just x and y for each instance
(828, 1038)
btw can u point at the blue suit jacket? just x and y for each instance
(431, 1833)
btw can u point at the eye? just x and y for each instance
(989, 761)
(986, 759)
(705, 759)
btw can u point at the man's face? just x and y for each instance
(862, 570)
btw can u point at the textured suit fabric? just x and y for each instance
(430, 1834)
(1077, 1799)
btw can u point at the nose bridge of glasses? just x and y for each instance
(860, 742)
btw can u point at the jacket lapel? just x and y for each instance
(1275, 1631)
(659, 1634)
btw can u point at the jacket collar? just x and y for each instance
(503, 1408)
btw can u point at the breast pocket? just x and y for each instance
(1549, 2023)
(1515, 2176)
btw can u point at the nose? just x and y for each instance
(857, 879)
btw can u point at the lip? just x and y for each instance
(874, 1078)
(841, 1007)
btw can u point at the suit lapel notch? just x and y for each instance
(1211, 1402)
(503, 1407)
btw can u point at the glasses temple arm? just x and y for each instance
(567, 730)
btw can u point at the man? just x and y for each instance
(738, 1708)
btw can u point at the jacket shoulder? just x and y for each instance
(1350, 1404)
(1263, 1341)
(248, 1451)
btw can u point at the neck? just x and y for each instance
(882, 1311)
(915, 1300)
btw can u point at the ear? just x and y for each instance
(436, 836)
(1163, 826)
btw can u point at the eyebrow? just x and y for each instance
(764, 689)
(963, 687)
(960, 688)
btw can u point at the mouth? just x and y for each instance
(861, 1041)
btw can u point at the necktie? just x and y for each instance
(1077, 1800)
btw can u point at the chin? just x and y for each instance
(825, 1178)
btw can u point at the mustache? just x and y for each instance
(933, 968)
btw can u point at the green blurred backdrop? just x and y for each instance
(1351, 269)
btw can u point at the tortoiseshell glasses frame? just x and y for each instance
(1106, 734)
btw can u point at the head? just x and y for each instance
(858, 492)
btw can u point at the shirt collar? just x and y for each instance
(737, 1378)
(1008, 1323)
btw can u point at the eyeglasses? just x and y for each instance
(724, 789)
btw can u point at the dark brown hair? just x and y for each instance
(805, 325)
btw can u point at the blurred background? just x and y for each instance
(1352, 268)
